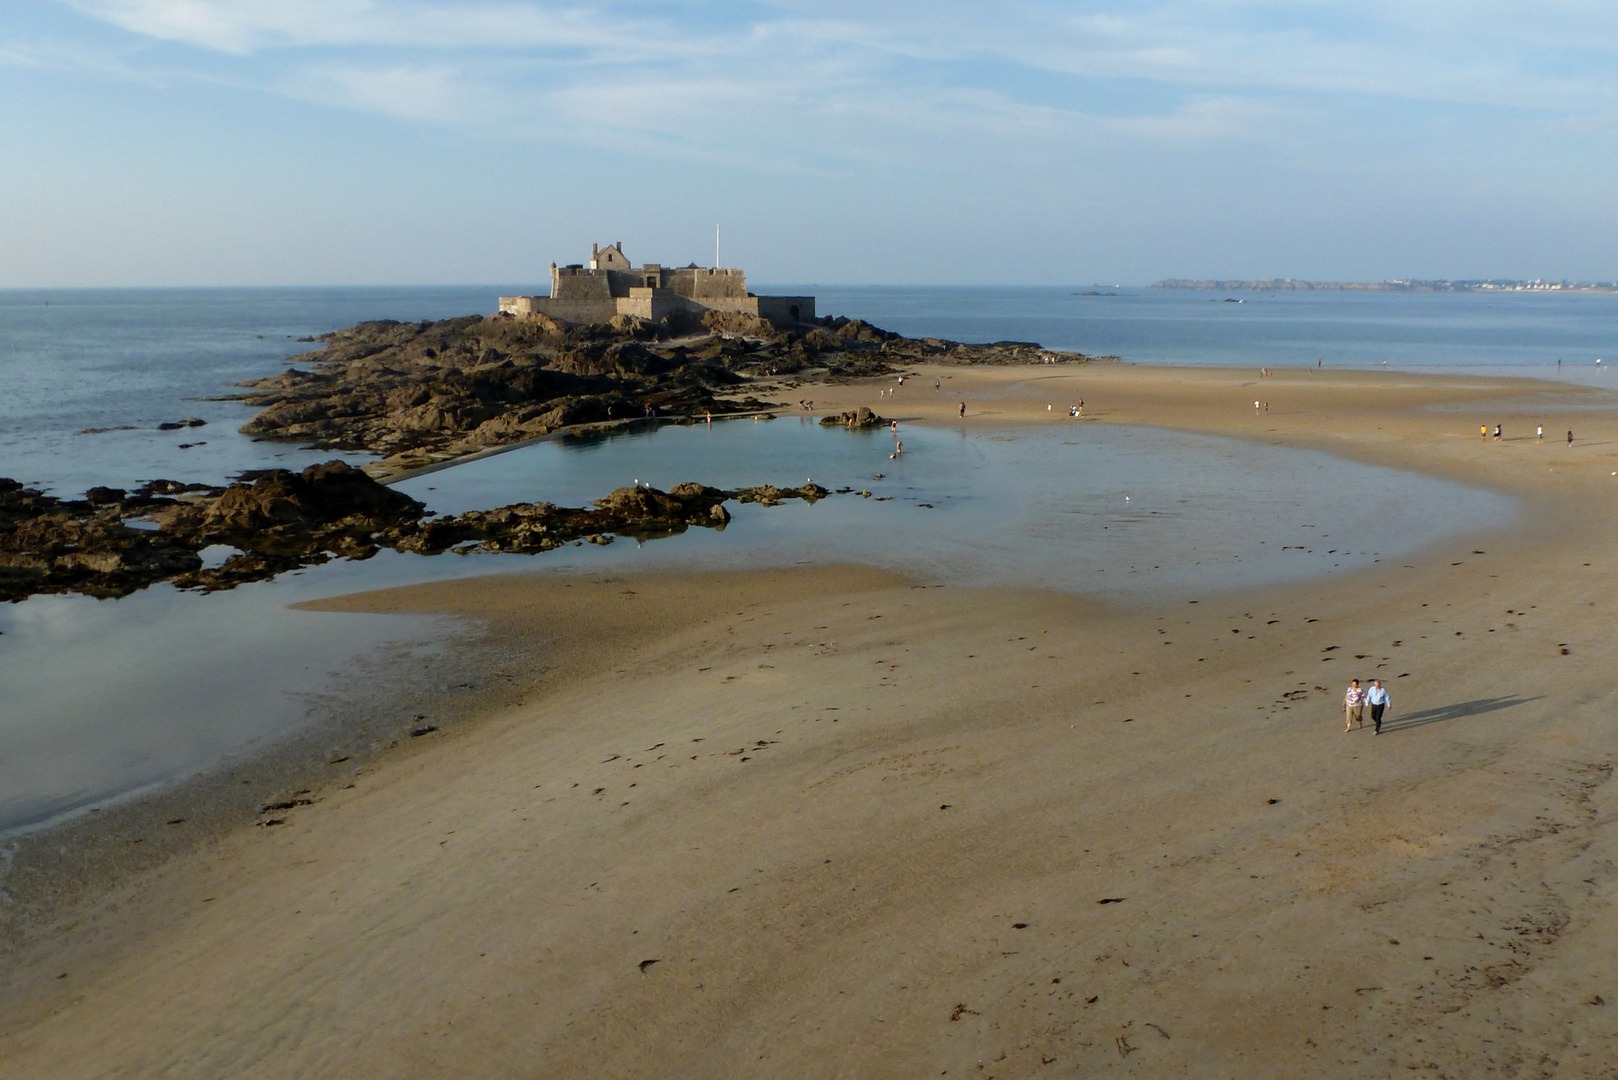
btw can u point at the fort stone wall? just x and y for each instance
(609, 286)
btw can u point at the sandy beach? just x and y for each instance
(824, 821)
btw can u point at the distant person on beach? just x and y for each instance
(1483, 430)
(1539, 433)
(963, 417)
(1081, 407)
(1497, 433)
(1377, 698)
(1570, 437)
(1354, 706)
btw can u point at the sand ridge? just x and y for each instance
(822, 821)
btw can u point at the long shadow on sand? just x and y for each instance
(1451, 712)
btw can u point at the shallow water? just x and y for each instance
(1132, 513)
(104, 698)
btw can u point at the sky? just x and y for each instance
(287, 142)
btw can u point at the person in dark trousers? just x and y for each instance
(1570, 437)
(1377, 698)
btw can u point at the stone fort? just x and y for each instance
(610, 286)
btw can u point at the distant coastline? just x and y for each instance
(1395, 285)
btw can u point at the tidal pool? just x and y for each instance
(104, 698)
(1129, 512)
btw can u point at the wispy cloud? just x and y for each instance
(790, 80)
(1441, 51)
(626, 32)
(438, 93)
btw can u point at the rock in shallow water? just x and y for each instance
(280, 520)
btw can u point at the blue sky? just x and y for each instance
(197, 142)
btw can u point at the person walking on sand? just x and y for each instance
(1377, 698)
(963, 417)
(1539, 433)
(1483, 430)
(1354, 706)
(1497, 433)
(1570, 436)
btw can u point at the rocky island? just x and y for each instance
(423, 393)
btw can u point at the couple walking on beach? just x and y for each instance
(1356, 699)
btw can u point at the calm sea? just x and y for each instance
(76, 360)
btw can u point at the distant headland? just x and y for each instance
(1395, 285)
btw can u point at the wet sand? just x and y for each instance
(823, 822)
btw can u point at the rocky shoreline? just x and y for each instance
(419, 394)
(113, 542)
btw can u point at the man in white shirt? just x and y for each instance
(1377, 698)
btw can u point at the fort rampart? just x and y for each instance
(609, 286)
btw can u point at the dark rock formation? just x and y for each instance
(425, 391)
(280, 520)
(859, 419)
(81, 545)
(429, 391)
